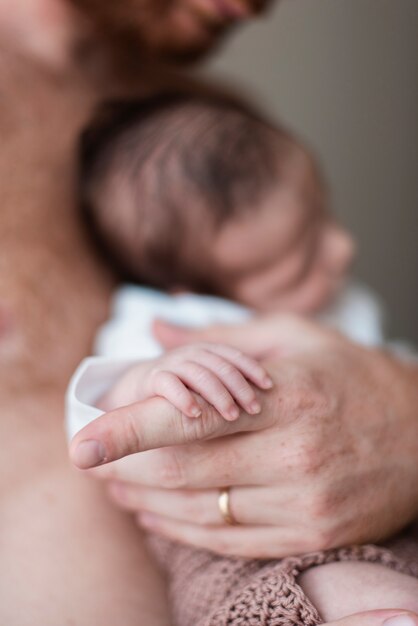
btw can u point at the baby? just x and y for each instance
(197, 194)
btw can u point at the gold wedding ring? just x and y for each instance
(224, 505)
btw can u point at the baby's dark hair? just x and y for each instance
(159, 175)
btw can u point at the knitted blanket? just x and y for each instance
(210, 590)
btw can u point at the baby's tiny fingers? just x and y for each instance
(203, 381)
(170, 387)
(237, 385)
(248, 366)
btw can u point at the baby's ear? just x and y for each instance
(169, 335)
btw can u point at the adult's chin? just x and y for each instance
(190, 49)
(201, 27)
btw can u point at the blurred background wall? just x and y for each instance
(344, 75)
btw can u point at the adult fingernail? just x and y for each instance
(89, 453)
(401, 620)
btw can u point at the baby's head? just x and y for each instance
(201, 194)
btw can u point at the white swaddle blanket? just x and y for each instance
(127, 336)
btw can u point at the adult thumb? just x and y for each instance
(378, 618)
(153, 423)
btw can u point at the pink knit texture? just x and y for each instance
(210, 590)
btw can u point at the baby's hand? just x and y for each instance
(223, 376)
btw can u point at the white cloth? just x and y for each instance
(127, 336)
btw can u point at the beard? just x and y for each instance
(160, 30)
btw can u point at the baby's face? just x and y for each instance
(291, 254)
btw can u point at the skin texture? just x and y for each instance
(337, 446)
(303, 475)
(221, 375)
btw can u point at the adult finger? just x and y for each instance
(248, 505)
(242, 460)
(153, 423)
(256, 542)
(378, 618)
(198, 507)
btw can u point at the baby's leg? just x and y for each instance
(206, 588)
(68, 557)
(344, 588)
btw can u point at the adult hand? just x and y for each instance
(330, 461)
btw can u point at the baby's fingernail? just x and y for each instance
(233, 413)
(267, 382)
(254, 407)
(401, 620)
(196, 412)
(89, 453)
